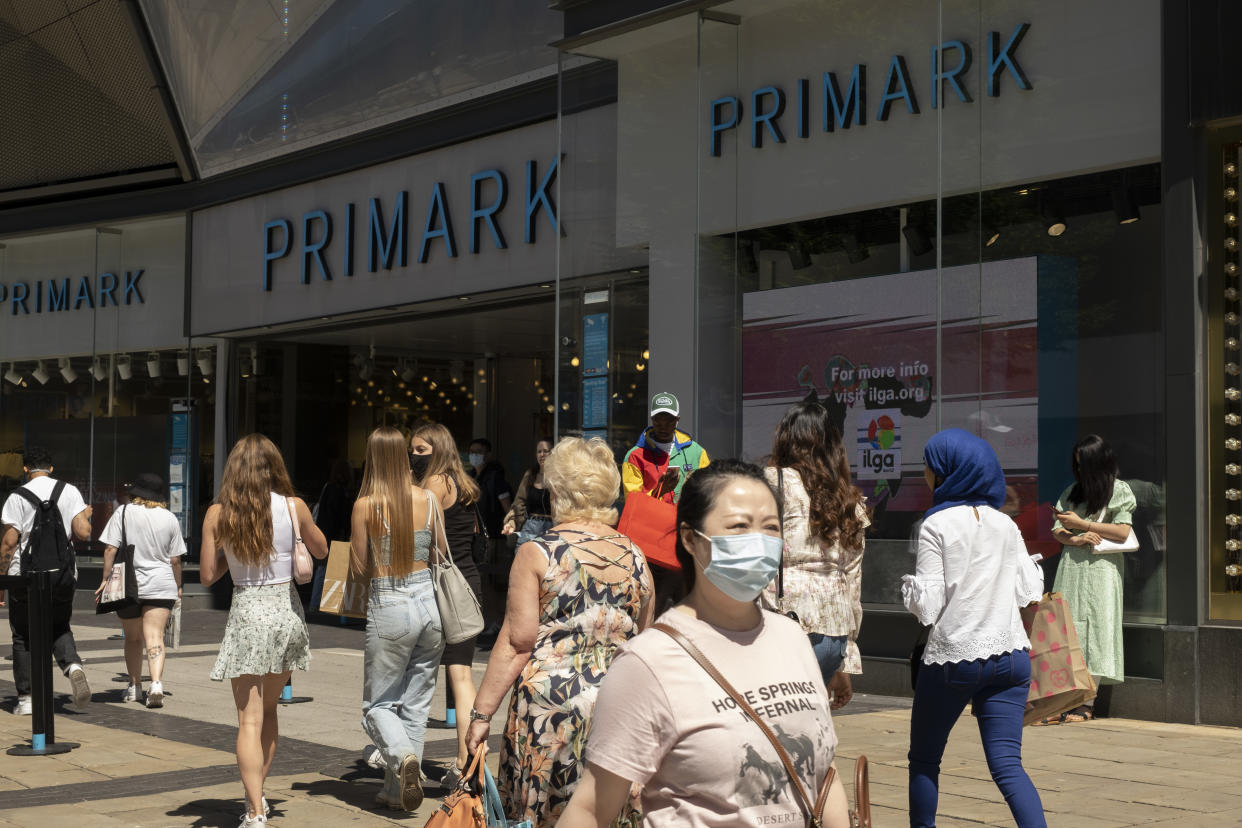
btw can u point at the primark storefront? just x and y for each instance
(966, 214)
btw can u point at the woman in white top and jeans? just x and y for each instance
(973, 575)
(251, 527)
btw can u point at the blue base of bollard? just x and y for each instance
(286, 692)
(47, 750)
(450, 717)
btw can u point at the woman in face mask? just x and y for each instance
(436, 467)
(662, 722)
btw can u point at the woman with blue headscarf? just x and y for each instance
(973, 575)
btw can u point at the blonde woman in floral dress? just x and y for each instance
(575, 594)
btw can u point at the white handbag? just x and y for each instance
(1107, 547)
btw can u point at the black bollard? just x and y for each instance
(42, 725)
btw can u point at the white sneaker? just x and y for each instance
(248, 821)
(267, 809)
(81, 687)
(132, 693)
(24, 706)
(372, 756)
(155, 695)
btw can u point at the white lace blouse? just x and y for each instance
(973, 574)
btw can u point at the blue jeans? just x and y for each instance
(829, 652)
(998, 688)
(403, 645)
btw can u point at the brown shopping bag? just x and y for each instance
(1060, 680)
(344, 593)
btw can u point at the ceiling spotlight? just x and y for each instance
(1125, 205)
(40, 373)
(206, 363)
(183, 363)
(989, 234)
(99, 370)
(124, 366)
(917, 240)
(153, 365)
(855, 251)
(67, 371)
(1054, 219)
(13, 375)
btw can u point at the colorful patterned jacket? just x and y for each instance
(645, 463)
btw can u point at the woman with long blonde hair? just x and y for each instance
(437, 468)
(250, 533)
(395, 526)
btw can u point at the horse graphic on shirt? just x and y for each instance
(761, 780)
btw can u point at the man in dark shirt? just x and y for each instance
(496, 495)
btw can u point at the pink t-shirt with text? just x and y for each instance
(661, 721)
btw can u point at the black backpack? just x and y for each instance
(47, 545)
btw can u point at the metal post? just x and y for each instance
(42, 724)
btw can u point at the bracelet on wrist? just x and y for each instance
(476, 716)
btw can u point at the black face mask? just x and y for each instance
(419, 464)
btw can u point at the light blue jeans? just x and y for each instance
(403, 646)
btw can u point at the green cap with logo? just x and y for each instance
(665, 403)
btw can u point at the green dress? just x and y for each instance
(1092, 585)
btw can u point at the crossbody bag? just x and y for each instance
(860, 817)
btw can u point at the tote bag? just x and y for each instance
(121, 589)
(1060, 680)
(303, 565)
(345, 593)
(652, 525)
(461, 617)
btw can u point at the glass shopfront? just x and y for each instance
(96, 368)
(945, 215)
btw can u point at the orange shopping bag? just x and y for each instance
(1060, 680)
(652, 525)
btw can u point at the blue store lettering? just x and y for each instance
(55, 295)
(845, 108)
(387, 226)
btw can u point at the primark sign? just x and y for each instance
(832, 103)
(38, 296)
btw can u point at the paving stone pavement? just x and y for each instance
(175, 766)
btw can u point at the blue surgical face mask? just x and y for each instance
(742, 565)
(476, 460)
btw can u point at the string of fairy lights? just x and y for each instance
(1233, 378)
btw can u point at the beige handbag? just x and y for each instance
(461, 617)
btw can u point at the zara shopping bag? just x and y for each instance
(344, 592)
(1060, 680)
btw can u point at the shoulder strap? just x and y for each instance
(56, 490)
(124, 537)
(780, 573)
(431, 502)
(814, 819)
(29, 496)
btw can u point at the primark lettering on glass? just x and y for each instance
(64, 294)
(387, 231)
(845, 109)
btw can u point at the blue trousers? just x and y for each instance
(829, 652)
(998, 687)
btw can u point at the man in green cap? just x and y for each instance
(664, 457)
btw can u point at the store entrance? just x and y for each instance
(483, 369)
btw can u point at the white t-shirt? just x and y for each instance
(972, 575)
(661, 721)
(156, 537)
(19, 514)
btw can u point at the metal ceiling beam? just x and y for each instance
(174, 130)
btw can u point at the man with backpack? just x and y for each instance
(40, 520)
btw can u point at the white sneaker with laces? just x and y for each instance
(81, 687)
(155, 695)
(24, 706)
(132, 693)
(256, 821)
(267, 809)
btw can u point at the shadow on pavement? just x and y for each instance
(360, 796)
(213, 813)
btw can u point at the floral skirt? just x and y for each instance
(265, 633)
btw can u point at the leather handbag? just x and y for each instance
(464, 805)
(461, 617)
(652, 525)
(121, 589)
(303, 564)
(860, 817)
(1107, 547)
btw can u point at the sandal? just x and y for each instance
(1047, 720)
(1078, 714)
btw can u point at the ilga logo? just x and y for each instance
(879, 446)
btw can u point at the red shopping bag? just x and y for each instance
(652, 525)
(1060, 680)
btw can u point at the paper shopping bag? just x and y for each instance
(344, 593)
(172, 630)
(652, 525)
(1060, 680)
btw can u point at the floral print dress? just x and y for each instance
(582, 621)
